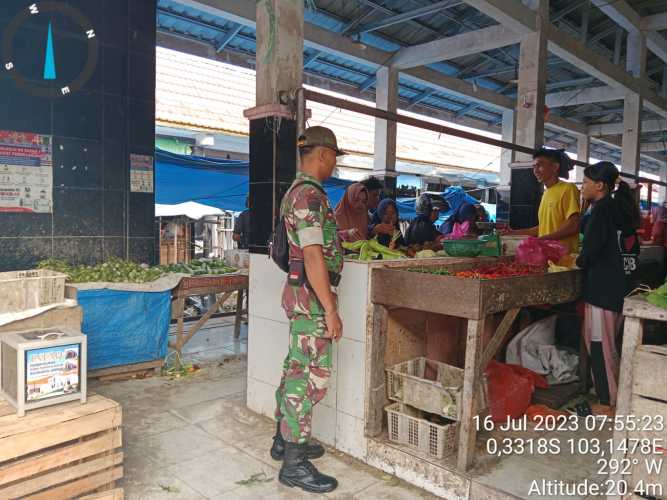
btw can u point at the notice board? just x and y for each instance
(26, 172)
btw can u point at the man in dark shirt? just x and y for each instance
(242, 227)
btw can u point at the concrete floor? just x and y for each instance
(193, 438)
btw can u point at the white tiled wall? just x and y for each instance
(352, 294)
(351, 377)
(350, 435)
(266, 287)
(338, 419)
(261, 397)
(268, 342)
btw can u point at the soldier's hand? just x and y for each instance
(334, 325)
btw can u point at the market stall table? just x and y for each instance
(475, 300)
(194, 286)
(640, 393)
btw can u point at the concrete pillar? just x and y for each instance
(633, 105)
(507, 155)
(583, 154)
(279, 48)
(526, 191)
(273, 126)
(386, 98)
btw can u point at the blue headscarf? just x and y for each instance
(378, 215)
(465, 212)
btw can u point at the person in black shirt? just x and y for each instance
(422, 228)
(242, 227)
(609, 257)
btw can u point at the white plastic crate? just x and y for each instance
(406, 383)
(406, 426)
(21, 290)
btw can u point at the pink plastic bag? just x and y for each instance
(536, 252)
(460, 230)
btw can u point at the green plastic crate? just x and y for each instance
(487, 246)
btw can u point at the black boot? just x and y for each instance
(278, 449)
(298, 471)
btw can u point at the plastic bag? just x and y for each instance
(459, 231)
(511, 388)
(536, 252)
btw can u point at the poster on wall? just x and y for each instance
(52, 371)
(26, 173)
(141, 173)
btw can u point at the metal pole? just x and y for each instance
(441, 129)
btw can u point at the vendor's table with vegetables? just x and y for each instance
(642, 396)
(207, 278)
(475, 292)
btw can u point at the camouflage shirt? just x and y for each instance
(309, 220)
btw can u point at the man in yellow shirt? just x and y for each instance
(560, 208)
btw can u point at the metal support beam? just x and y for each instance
(585, 20)
(516, 16)
(584, 96)
(653, 147)
(452, 47)
(228, 38)
(616, 128)
(618, 43)
(583, 154)
(657, 22)
(407, 16)
(420, 97)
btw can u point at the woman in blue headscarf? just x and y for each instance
(422, 228)
(387, 214)
(467, 212)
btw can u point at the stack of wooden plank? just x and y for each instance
(64, 451)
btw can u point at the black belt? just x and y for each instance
(334, 278)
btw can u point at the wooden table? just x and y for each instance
(642, 387)
(222, 285)
(476, 301)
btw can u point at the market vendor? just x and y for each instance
(559, 210)
(387, 215)
(609, 258)
(467, 213)
(242, 227)
(422, 228)
(352, 213)
(374, 188)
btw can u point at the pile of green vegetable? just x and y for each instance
(117, 270)
(113, 271)
(440, 271)
(658, 297)
(372, 250)
(199, 267)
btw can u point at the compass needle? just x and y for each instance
(50, 59)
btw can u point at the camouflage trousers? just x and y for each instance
(306, 372)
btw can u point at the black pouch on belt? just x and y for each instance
(297, 273)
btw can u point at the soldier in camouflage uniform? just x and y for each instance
(316, 261)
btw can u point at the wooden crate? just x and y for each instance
(471, 298)
(63, 451)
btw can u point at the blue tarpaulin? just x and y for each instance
(125, 327)
(224, 184)
(218, 183)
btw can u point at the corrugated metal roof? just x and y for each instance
(495, 69)
(201, 93)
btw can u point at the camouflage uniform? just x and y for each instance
(307, 367)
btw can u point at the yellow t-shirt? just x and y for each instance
(559, 203)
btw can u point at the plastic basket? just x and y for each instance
(21, 290)
(406, 383)
(406, 426)
(488, 246)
